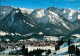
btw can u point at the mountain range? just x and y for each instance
(50, 21)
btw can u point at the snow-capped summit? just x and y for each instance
(4, 11)
(29, 11)
(69, 14)
(45, 16)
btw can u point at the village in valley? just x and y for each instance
(49, 45)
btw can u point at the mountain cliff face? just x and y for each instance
(50, 21)
(15, 21)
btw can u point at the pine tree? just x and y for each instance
(77, 51)
(23, 49)
(71, 49)
(26, 51)
(68, 42)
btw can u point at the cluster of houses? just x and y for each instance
(16, 45)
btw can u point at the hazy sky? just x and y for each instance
(33, 4)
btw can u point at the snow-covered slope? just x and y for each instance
(3, 33)
(46, 17)
(51, 38)
(63, 51)
(29, 11)
(76, 35)
(69, 14)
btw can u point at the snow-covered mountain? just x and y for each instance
(16, 21)
(69, 14)
(50, 21)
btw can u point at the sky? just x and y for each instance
(33, 4)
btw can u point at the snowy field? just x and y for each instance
(76, 35)
(30, 48)
(63, 51)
